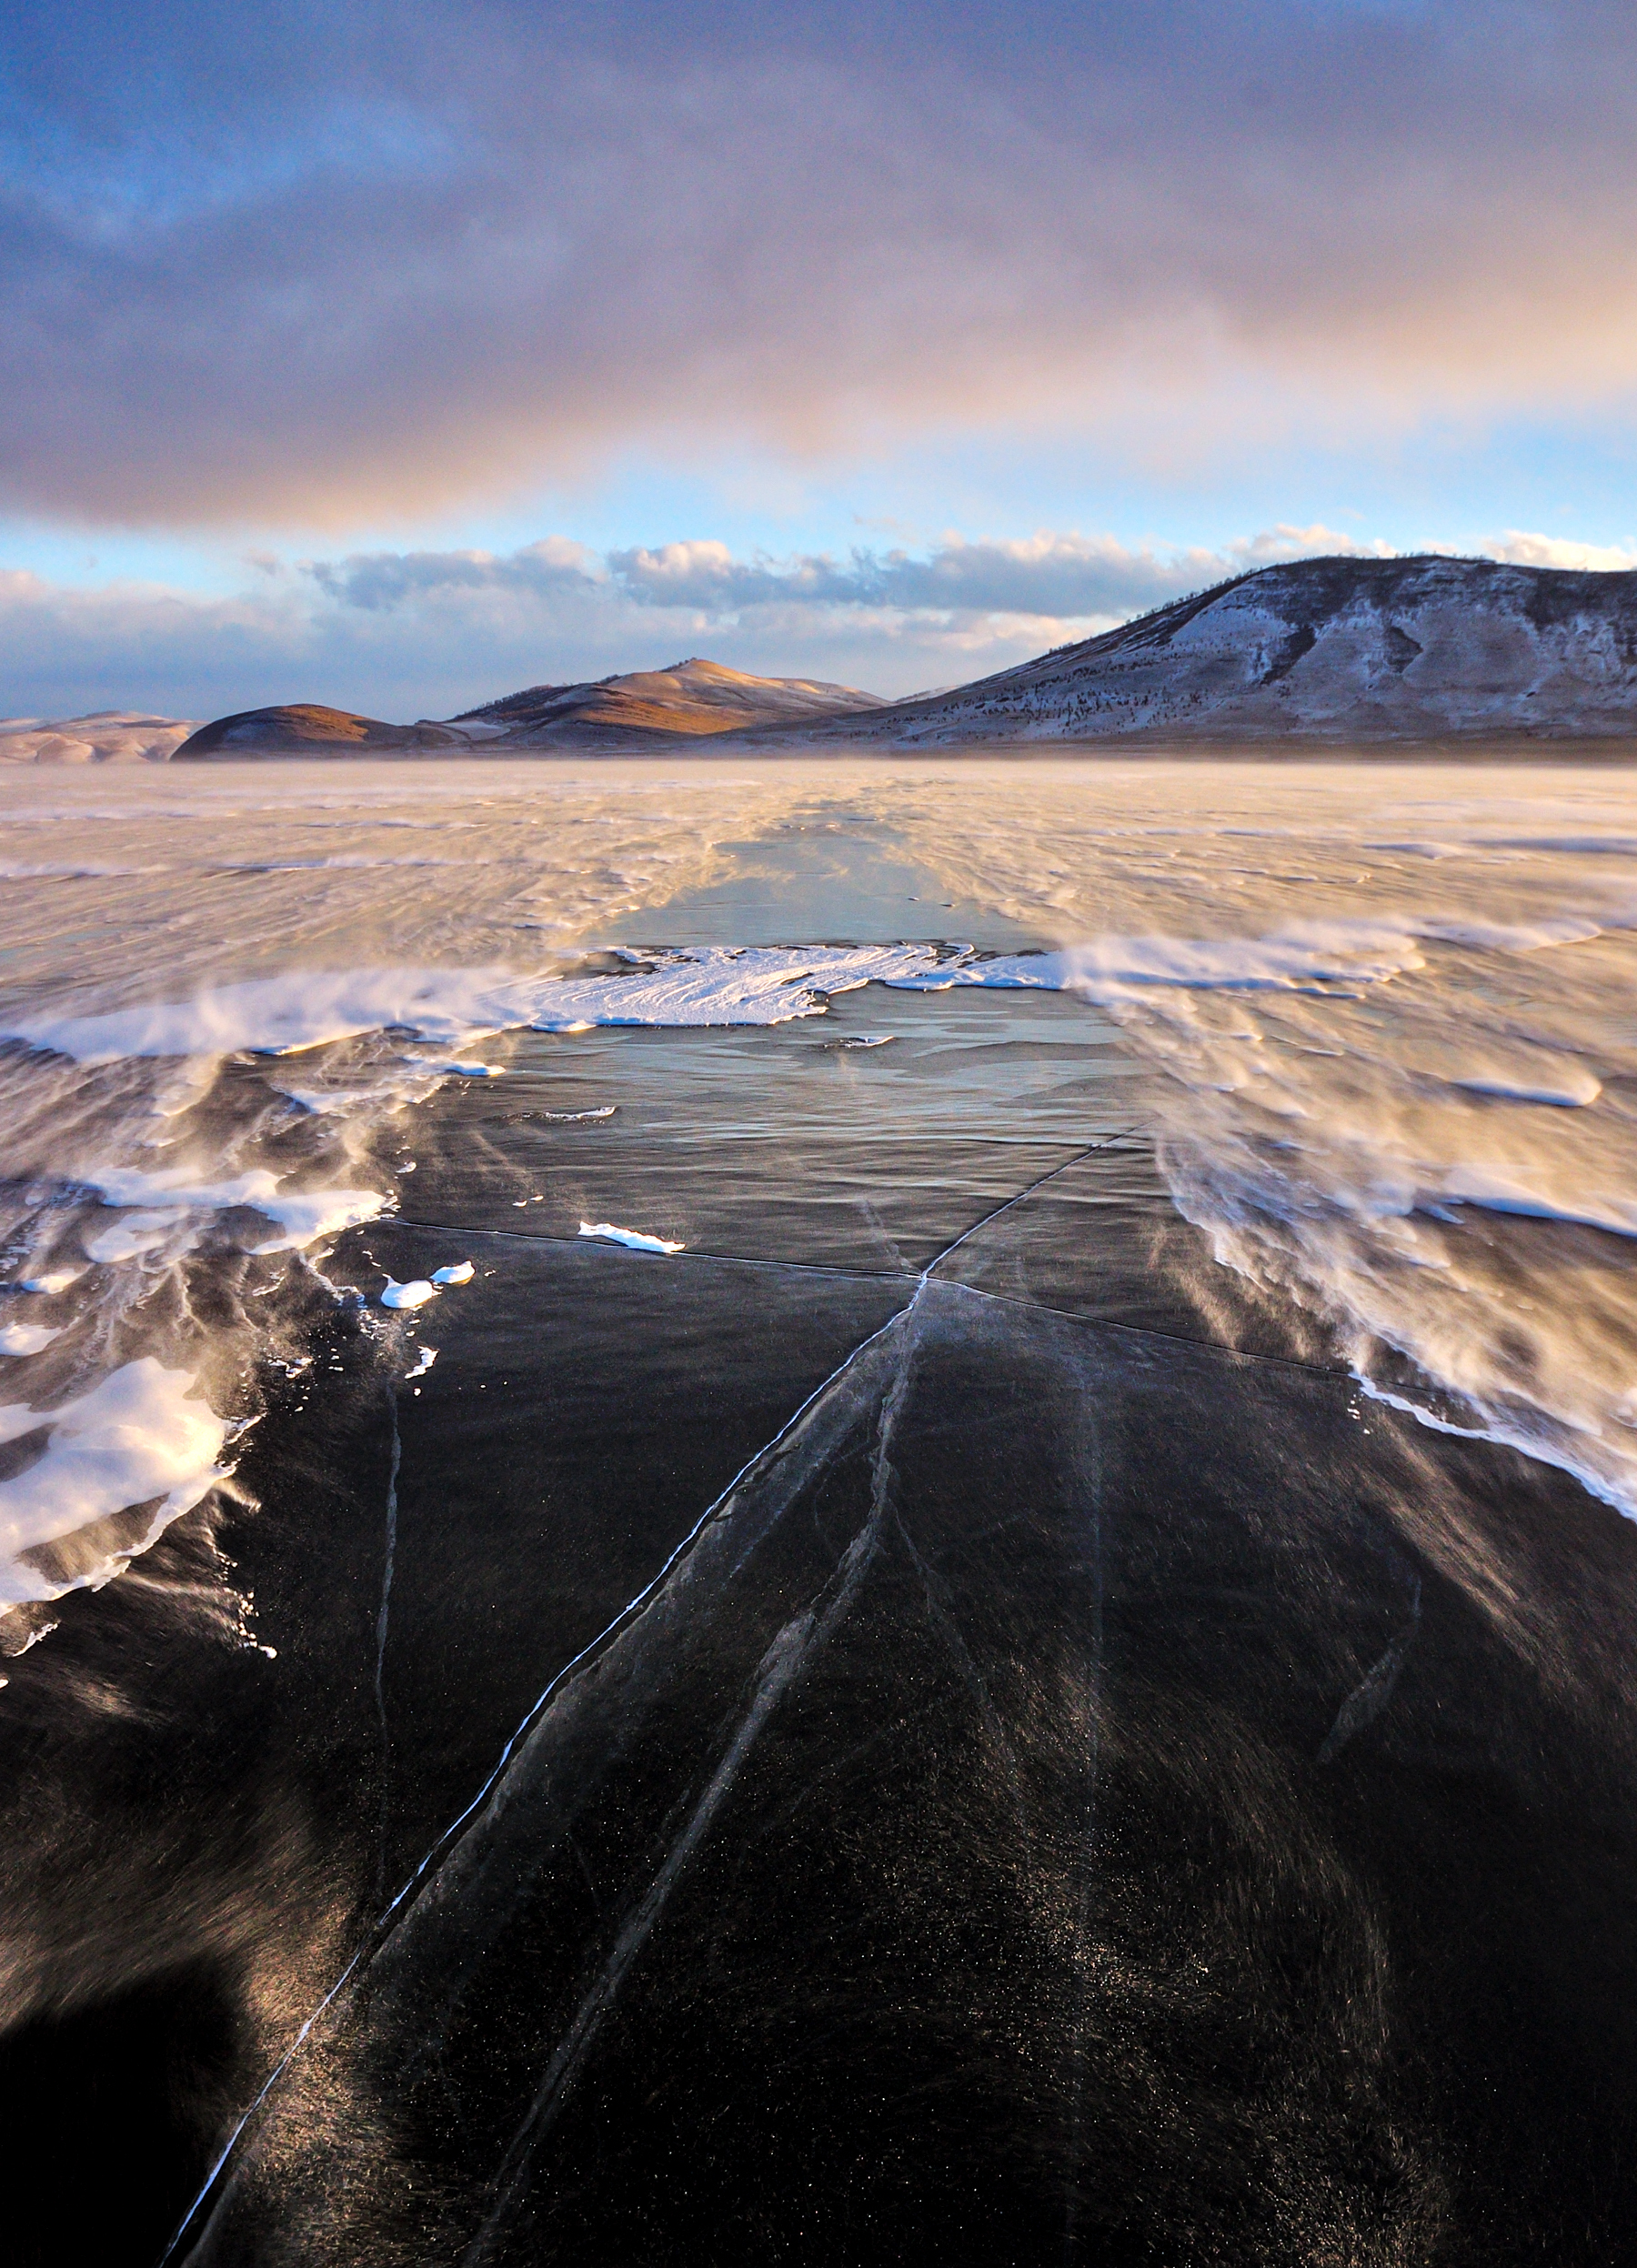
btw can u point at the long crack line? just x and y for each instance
(633, 1607)
(804, 1268)
(780, 1666)
(388, 1561)
(627, 1614)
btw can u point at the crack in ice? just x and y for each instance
(1365, 1703)
(388, 1559)
(777, 1670)
(376, 1935)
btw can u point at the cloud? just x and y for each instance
(408, 634)
(292, 264)
(1519, 548)
(1048, 579)
(379, 581)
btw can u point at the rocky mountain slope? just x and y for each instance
(695, 698)
(1340, 650)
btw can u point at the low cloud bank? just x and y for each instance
(403, 635)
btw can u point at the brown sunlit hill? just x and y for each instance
(304, 728)
(695, 698)
(648, 708)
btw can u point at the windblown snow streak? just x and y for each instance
(1381, 1022)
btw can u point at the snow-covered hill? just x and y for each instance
(1406, 651)
(644, 712)
(307, 728)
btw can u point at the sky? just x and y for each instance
(398, 356)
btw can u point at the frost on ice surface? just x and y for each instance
(633, 1240)
(282, 1015)
(303, 1008)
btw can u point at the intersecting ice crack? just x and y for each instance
(374, 1937)
(772, 1681)
(813, 1267)
(698, 1253)
(778, 1670)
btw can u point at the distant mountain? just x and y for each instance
(1396, 651)
(645, 709)
(694, 697)
(303, 729)
(110, 736)
(1413, 653)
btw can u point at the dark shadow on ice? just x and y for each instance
(940, 1860)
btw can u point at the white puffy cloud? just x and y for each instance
(1519, 548)
(1050, 579)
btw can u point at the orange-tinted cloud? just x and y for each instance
(293, 265)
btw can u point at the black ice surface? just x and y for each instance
(930, 1725)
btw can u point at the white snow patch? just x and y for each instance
(138, 1437)
(307, 1008)
(130, 1238)
(1573, 1091)
(304, 1215)
(633, 1240)
(1502, 936)
(414, 1294)
(1494, 1193)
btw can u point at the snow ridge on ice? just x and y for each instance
(139, 1437)
(633, 1240)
